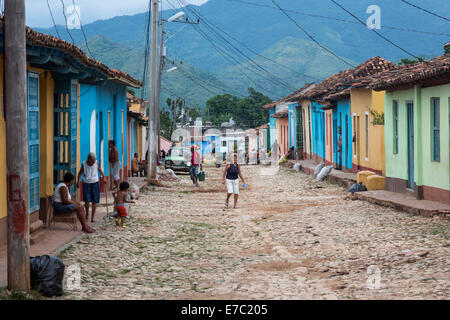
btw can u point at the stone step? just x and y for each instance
(36, 236)
(35, 226)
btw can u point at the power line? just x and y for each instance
(65, 18)
(54, 24)
(311, 37)
(375, 31)
(250, 49)
(268, 75)
(228, 57)
(338, 19)
(425, 10)
(82, 29)
(146, 49)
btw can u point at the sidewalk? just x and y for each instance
(51, 240)
(400, 201)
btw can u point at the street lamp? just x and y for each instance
(172, 69)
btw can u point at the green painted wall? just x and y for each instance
(436, 174)
(397, 164)
(426, 171)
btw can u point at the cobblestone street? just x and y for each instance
(290, 238)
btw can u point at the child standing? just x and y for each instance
(120, 198)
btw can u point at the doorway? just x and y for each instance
(410, 120)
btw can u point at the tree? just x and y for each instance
(407, 61)
(166, 124)
(132, 91)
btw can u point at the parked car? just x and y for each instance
(178, 159)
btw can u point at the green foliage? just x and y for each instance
(406, 61)
(378, 117)
(132, 91)
(247, 112)
(166, 124)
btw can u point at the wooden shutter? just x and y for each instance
(33, 140)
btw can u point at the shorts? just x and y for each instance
(122, 211)
(116, 170)
(91, 192)
(233, 186)
(60, 207)
(193, 170)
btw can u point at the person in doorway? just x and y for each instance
(91, 186)
(63, 202)
(276, 150)
(291, 154)
(339, 166)
(195, 162)
(231, 176)
(115, 163)
(163, 155)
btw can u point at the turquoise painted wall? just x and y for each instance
(101, 98)
(342, 117)
(273, 127)
(318, 129)
(292, 125)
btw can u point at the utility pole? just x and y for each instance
(160, 72)
(15, 100)
(174, 113)
(154, 103)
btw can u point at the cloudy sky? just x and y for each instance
(38, 14)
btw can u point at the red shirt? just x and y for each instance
(195, 158)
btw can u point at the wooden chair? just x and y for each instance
(66, 218)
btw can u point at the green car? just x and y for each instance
(178, 159)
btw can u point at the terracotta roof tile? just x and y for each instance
(71, 49)
(410, 75)
(355, 77)
(288, 97)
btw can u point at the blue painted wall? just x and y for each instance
(318, 129)
(342, 117)
(273, 127)
(111, 97)
(292, 125)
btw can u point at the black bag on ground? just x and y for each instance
(47, 274)
(357, 187)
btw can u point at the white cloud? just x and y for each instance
(38, 15)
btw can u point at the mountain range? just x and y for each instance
(242, 43)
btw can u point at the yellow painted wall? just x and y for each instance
(46, 112)
(135, 107)
(3, 208)
(372, 157)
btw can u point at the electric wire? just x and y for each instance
(65, 18)
(82, 30)
(375, 31)
(425, 10)
(311, 37)
(338, 19)
(53, 19)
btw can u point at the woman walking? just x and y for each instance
(231, 176)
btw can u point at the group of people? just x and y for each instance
(91, 172)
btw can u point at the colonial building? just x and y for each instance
(59, 75)
(417, 135)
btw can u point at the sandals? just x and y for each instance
(226, 205)
(89, 231)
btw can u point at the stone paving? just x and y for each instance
(290, 238)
